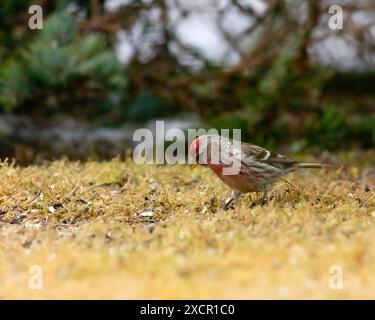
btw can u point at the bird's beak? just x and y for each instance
(194, 165)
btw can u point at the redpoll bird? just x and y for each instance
(254, 169)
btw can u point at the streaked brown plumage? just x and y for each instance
(259, 169)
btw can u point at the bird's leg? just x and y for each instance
(229, 201)
(262, 201)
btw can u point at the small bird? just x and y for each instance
(258, 169)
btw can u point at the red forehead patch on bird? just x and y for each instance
(194, 147)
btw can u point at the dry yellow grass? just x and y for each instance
(95, 245)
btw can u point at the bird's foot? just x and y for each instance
(260, 202)
(229, 202)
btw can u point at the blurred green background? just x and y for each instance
(101, 68)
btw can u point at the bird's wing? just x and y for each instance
(263, 155)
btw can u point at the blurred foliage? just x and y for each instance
(62, 71)
(148, 106)
(276, 93)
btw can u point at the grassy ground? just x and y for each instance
(81, 224)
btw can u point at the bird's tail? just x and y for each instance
(313, 165)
